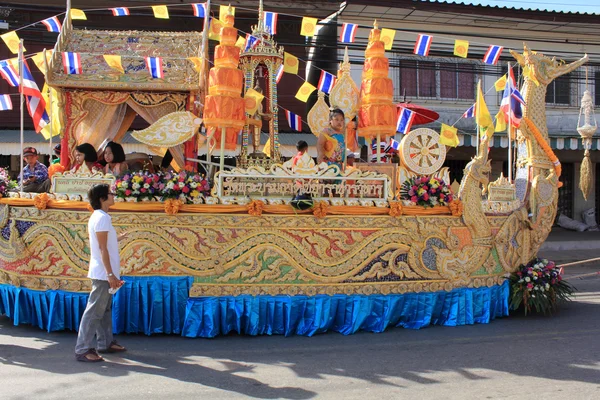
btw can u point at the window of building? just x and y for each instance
(566, 193)
(559, 91)
(437, 80)
(597, 88)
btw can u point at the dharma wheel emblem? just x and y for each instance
(421, 152)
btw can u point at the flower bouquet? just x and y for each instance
(426, 191)
(538, 285)
(6, 183)
(186, 186)
(141, 185)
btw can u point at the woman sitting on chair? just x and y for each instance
(86, 159)
(114, 155)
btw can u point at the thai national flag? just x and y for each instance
(492, 55)
(512, 101)
(5, 102)
(199, 10)
(470, 113)
(423, 44)
(294, 121)
(35, 102)
(326, 82)
(348, 33)
(120, 11)
(394, 144)
(270, 22)
(53, 24)
(405, 120)
(251, 42)
(279, 74)
(9, 73)
(72, 63)
(154, 65)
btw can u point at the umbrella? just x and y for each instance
(422, 115)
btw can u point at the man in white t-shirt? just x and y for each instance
(104, 271)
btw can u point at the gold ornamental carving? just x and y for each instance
(171, 130)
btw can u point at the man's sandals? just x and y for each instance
(90, 356)
(113, 348)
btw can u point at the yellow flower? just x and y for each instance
(194, 193)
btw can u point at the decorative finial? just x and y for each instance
(229, 10)
(375, 25)
(346, 58)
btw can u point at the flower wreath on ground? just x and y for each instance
(538, 285)
(186, 186)
(6, 183)
(426, 191)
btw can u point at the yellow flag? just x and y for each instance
(78, 14)
(214, 33)
(304, 92)
(528, 72)
(12, 41)
(161, 12)
(482, 115)
(461, 48)
(500, 122)
(308, 26)
(267, 147)
(240, 42)
(38, 60)
(223, 12)
(290, 63)
(53, 112)
(197, 61)
(114, 62)
(500, 83)
(252, 99)
(448, 136)
(387, 36)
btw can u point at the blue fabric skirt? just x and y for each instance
(142, 305)
(307, 315)
(161, 305)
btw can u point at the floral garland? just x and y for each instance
(185, 186)
(426, 191)
(538, 285)
(6, 183)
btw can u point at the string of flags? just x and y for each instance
(72, 61)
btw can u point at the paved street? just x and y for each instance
(511, 358)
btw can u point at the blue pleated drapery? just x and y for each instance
(308, 315)
(143, 305)
(161, 305)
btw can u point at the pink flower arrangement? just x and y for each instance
(426, 191)
(6, 183)
(185, 186)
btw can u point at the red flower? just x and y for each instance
(185, 189)
(426, 196)
(175, 187)
(127, 192)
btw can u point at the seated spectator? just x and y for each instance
(114, 155)
(55, 165)
(86, 159)
(35, 174)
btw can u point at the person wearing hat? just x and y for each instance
(34, 174)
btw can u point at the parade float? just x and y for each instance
(240, 258)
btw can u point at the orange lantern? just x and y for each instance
(377, 114)
(224, 106)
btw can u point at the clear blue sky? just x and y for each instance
(586, 6)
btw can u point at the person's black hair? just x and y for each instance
(334, 112)
(301, 145)
(88, 151)
(98, 193)
(57, 149)
(117, 150)
(166, 161)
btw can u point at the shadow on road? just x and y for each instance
(560, 348)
